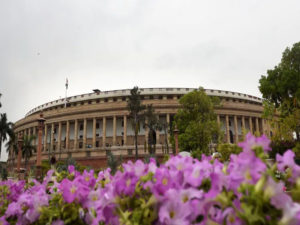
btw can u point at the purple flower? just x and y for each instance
(3, 221)
(199, 171)
(174, 212)
(58, 222)
(138, 168)
(179, 163)
(73, 190)
(245, 167)
(88, 178)
(72, 171)
(230, 217)
(125, 183)
(26, 208)
(251, 142)
(287, 161)
(48, 177)
(163, 181)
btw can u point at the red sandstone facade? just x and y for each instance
(92, 124)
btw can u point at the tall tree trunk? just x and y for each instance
(0, 144)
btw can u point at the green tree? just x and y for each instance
(281, 89)
(226, 150)
(152, 123)
(27, 148)
(6, 129)
(135, 108)
(197, 122)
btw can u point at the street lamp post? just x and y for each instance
(20, 144)
(41, 121)
(176, 131)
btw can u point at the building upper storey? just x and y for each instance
(145, 92)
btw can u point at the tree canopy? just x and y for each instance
(197, 122)
(281, 88)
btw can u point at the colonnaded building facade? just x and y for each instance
(91, 125)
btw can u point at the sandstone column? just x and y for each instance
(52, 137)
(227, 129)
(67, 134)
(125, 130)
(236, 130)
(114, 131)
(243, 123)
(59, 136)
(84, 133)
(75, 134)
(104, 132)
(94, 132)
(250, 124)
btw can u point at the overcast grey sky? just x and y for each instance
(116, 44)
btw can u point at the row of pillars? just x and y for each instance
(114, 138)
(251, 128)
(84, 138)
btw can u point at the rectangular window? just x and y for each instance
(97, 125)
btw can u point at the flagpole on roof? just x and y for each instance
(67, 84)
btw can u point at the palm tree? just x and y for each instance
(135, 109)
(12, 147)
(27, 148)
(6, 129)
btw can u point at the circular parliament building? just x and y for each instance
(90, 126)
